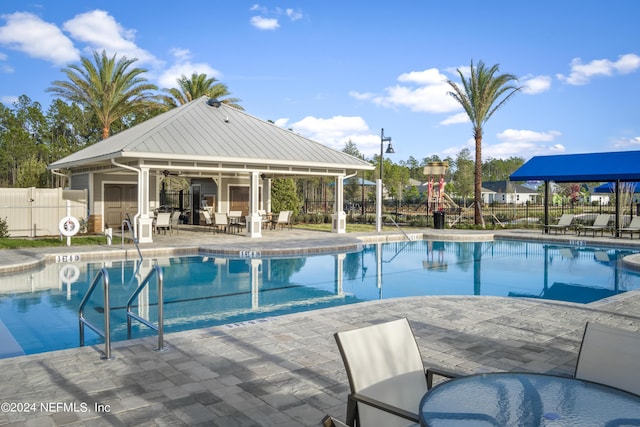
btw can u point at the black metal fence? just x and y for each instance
(418, 214)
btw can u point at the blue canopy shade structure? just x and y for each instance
(617, 166)
(591, 167)
(610, 187)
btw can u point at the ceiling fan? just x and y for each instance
(167, 173)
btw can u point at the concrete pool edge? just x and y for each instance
(15, 261)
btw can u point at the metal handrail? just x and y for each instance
(133, 236)
(401, 230)
(131, 315)
(106, 333)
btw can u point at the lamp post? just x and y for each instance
(379, 192)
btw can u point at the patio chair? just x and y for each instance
(236, 220)
(633, 227)
(163, 222)
(386, 375)
(599, 224)
(205, 219)
(220, 222)
(284, 219)
(610, 356)
(564, 223)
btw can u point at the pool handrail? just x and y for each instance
(157, 270)
(106, 333)
(401, 230)
(127, 222)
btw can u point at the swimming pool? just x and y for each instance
(39, 309)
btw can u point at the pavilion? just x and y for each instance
(228, 156)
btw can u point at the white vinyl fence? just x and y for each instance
(34, 212)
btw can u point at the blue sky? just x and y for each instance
(336, 71)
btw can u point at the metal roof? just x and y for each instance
(592, 167)
(202, 133)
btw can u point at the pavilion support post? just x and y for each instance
(254, 220)
(546, 206)
(617, 220)
(339, 218)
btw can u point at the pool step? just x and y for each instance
(9, 347)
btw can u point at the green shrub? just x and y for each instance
(4, 228)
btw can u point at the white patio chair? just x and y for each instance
(220, 222)
(610, 356)
(386, 375)
(283, 220)
(163, 222)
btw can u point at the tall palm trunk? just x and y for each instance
(477, 189)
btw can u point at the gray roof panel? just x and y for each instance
(223, 133)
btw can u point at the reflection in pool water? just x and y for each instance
(39, 309)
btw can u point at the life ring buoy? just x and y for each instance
(69, 226)
(69, 273)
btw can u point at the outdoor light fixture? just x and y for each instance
(389, 150)
(380, 192)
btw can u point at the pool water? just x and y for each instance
(39, 309)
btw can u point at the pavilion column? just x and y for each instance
(546, 206)
(266, 194)
(339, 218)
(145, 222)
(254, 220)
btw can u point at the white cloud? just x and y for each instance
(262, 23)
(183, 66)
(455, 119)
(536, 84)
(100, 31)
(430, 76)
(514, 135)
(26, 32)
(627, 143)
(582, 73)
(420, 91)
(294, 15)
(525, 149)
(334, 132)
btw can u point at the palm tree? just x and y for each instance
(199, 85)
(480, 96)
(110, 88)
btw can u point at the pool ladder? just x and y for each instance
(103, 277)
(131, 315)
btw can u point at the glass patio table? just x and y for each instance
(524, 399)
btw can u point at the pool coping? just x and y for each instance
(38, 258)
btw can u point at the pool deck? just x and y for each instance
(286, 371)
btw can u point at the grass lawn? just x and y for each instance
(17, 243)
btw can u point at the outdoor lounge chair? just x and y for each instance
(205, 219)
(610, 356)
(564, 223)
(599, 224)
(633, 227)
(284, 219)
(220, 222)
(236, 220)
(386, 376)
(163, 222)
